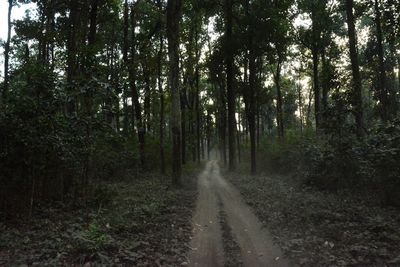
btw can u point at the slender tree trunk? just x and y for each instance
(279, 104)
(382, 91)
(258, 125)
(325, 88)
(198, 121)
(301, 115)
(315, 59)
(87, 69)
(222, 123)
(238, 135)
(183, 123)
(71, 55)
(161, 92)
(250, 98)
(147, 98)
(173, 17)
(197, 107)
(135, 94)
(357, 89)
(398, 75)
(308, 118)
(125, 58)
(3, 93)
(208, 134)
(229, 83)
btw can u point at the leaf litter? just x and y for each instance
(144, 222)
(317, 228)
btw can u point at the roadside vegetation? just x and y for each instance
(133, 221)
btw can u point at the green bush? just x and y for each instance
(346, 162)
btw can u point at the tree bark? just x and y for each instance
(183, 94)
(3, 93)
(279, 104)
(229, 83)
(382, 90)
(315, 59)
(173, 17)
(135, 94)
(71, 55)
(125, 49)
(222, 123)
(161, 92)
(197, 106)
(357, 93)
(251, 111)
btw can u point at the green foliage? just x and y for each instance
(345, 162)
(40, 144)
(282, 156)
(113, 153)
(92, 239)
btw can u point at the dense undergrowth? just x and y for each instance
(137, 221)
(318, 228)
(340, 161)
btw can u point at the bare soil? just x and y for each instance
(207, 248)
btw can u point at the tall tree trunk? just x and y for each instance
(183, 123)
(161, 92)
(238, 133)
(223, 120)
(147, 98)
(325, 88)
(3, 93)
(357, 93)
(398, 75)
(299, 94)
(249, 96)
(71, 54)
(173, 17)
(197, 106)
(135, 94)
(88, 97)
(125, 49)
(308, 117)
(279, 104)
(208, 134)
(382, 90)
(315, 59)
(229, 82)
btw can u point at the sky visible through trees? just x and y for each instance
(92, 91)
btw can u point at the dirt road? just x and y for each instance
(207, 248)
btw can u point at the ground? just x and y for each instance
(319, 228)
(218, 198)
(228, 219)
(135, 222)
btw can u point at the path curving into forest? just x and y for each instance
(217, 196)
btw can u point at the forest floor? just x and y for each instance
(225, 230)
(135, 222)
(316, 228)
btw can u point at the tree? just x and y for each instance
(249, 94)
(161, 91)
(3, 93)
(173, 17)
(381, 67)
(135, 95)
(229, 82)
(357, 88)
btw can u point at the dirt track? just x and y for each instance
(256, 246)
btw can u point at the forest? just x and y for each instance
(200, 133)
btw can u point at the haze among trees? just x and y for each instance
(105, 99)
